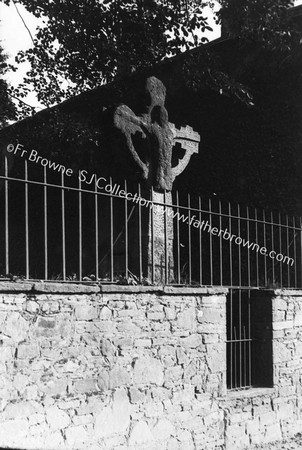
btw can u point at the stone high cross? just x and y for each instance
(161, 136)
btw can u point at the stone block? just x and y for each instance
(85, 386)
(272, 433)
(140, 434)
(55, 388)
(216, 357)
(13, 433)
(170, 313)
(28, 351)
(143, 343)
(181, 356)
(148, 371)
(163, 430)
(114, 418)
(212, 315)
(187, 319)
(136, 396)
(16, 327)
(105, 313)
(298, 319)
(86, 312)
(283, 325)
(32, 307)
(103, 381)
(56, 418)
(157, 316)
(192, 341)
(279, 303)
(75, 436)
(118, 376)
(20, 409)
(281, 352)
(82, 419)
(173, 375)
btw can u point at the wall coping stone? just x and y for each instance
(81, 288)
(53, 287)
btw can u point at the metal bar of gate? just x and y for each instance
(6, 218)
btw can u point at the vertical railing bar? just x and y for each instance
(287, 250)
(140, 236)
(166, 239)
(6, 218)
(231, 257)
(211, 242)
(177, 239)
(126, 234)
(264, 245)
(300, 253)
(231, 329)
(26, 222)
(96, 218)
(152, 234)
(45, 226)
(189, 238)
(273, 247)
(248, 250)
(80, 232)
(280, 248)
(240, 337)
(249, 337)
(200, 242)
(257, 242)
(239, 256)
(235, 358)
(295, 249)
(244, 358)
(220, 245)
(111, 235)
(63, 228)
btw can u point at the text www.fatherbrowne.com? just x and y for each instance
(115, 190)
(225, 234)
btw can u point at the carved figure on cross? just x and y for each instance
(154, 126)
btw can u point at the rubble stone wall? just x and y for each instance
(120, 367)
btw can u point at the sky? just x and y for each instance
(15, 37)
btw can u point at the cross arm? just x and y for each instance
(189, 141)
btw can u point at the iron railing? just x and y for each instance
(54, 226)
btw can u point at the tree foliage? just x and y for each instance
(89, 42)
(85, 43)
(262, 21)
(7, 109)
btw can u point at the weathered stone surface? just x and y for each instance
(148, 370)
(118, 377)
(140, 434)
(136, 396)
(75, 436)
(192, 341)
(56, 418)
(163, 430)
(86, 312)
(105, 313)
(114, 418)
(104, 387)
(187, 319)
(13, 433)
(28, 351)
(16, 327)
